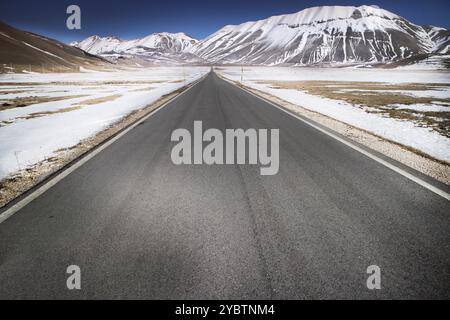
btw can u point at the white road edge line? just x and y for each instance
(404, 173)
(22, 203)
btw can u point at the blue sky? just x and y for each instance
(131, 19)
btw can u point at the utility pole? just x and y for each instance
(242, 74)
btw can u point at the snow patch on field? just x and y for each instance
(337, 74)
(422, 107)
(25, 142)
(402, 131)
(443, 93)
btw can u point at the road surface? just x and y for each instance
(140, 227)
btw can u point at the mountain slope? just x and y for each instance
(156, 48)
(440, 38)
(20, 50)
(330, 34)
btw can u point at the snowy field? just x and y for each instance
(366, 98)
(43, 113)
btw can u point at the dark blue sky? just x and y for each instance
(130, 19)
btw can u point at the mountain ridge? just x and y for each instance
(317, 35)
(324, 35)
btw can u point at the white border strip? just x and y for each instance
(22, 203)
(404, 173)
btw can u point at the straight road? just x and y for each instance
(140, 227)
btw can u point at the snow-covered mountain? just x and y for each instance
(329, 34)
(319, 35)
(157, 48)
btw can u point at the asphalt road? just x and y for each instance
(140, 227)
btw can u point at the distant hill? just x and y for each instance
(22, 51)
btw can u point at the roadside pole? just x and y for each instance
(242, 74)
